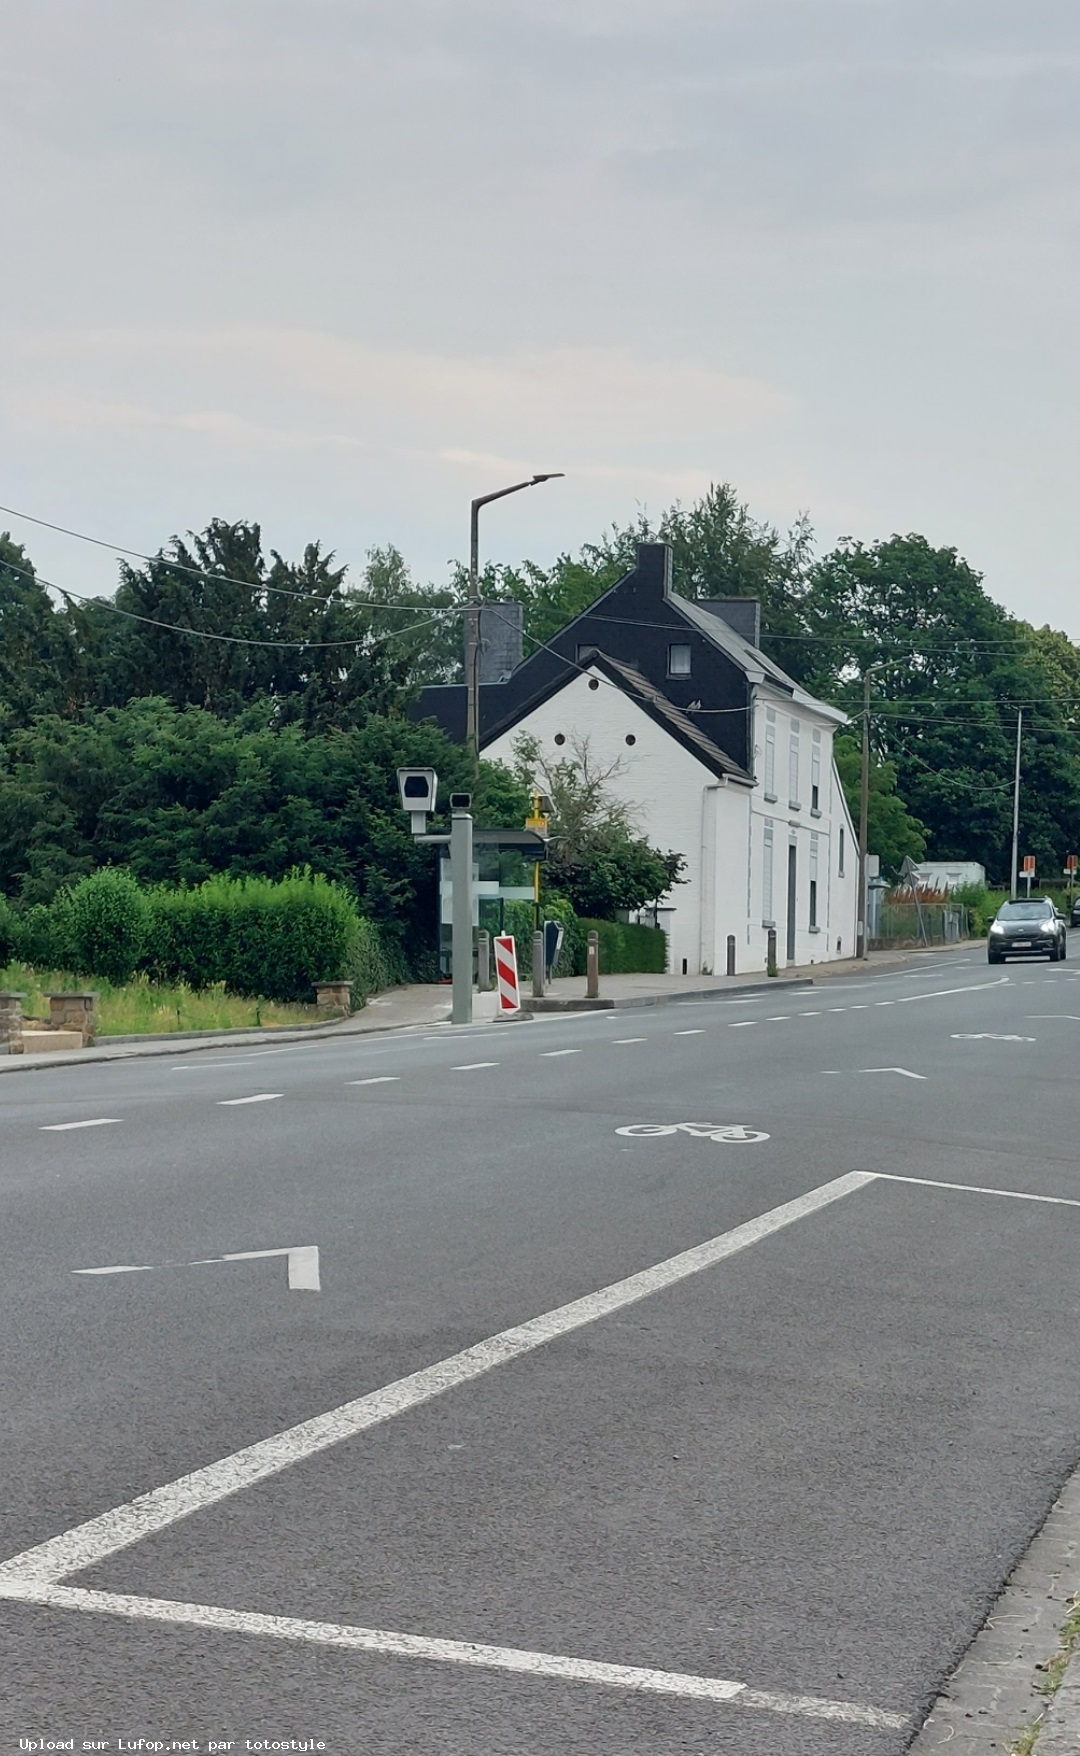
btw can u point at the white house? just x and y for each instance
(725, 759)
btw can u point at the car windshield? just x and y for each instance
(1024, 911)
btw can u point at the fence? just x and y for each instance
(918, 923)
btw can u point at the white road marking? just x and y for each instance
(742, 1023)
(473, 1066)
(618, 1041)
(197, 1066)
(885, 1002)
(455, 1652)
(303, 1265)
(837, 1008)
(836, 1072)
(550, 1054)
(379, 1079)
(260, 1097)
(66, 1127)
(87, 1544)
(942, 993)
(689, 1033)
(779, 1018)
(986, 1036)
(977, 1189)
(809, 1014)
(860, 1006)
(1070, 1016)
(119, 1268)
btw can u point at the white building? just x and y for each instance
(725, 759)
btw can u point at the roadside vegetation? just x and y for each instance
(145, 1008)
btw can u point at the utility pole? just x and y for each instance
(1016, 809)
(461, 935)
(861, 941)
(472, 614)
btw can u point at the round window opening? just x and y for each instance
(560, 737)
(594, 682)
(630, 738)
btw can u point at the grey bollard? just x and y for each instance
(770, 953)
(731, 954)
(538, 966)
(592, 967)
(483, 961)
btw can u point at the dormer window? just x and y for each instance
(678, 661)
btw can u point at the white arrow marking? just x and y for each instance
(835, 1073)
(303, 1265)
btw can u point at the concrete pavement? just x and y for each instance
(722, 1433)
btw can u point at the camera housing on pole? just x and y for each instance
(419, 790)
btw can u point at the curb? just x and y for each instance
(634, 1001)
(142, 1048)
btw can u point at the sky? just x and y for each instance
(337, 266)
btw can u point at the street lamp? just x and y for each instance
(861, 936)
(472, 625)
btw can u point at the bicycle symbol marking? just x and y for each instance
(986, 1036)
(733, 1133)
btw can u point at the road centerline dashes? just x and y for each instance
(378, 1079)
(473, 1066)
(259, 1097)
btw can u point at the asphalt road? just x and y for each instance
(800, 1462)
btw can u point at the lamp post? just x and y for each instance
(472, 623)
(861, 936)
(1016, 808)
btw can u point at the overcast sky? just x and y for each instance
(339, 265)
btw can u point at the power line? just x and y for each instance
(196, 572)
(227, 639)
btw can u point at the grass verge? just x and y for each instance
(144, 1008)
(1053, 1670)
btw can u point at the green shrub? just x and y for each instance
(43, 934)
(625, 949)
(108, 919)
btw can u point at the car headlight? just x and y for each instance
(996, 927)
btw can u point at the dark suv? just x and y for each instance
(1027, 927)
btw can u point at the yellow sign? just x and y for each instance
(541, 824)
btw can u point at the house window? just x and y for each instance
(793, 767)
(767, 877)
(840, 868)
(815, 774)
(678, 661)
(770, 753)
(813, 883)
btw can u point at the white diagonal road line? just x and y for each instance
(87, 1544)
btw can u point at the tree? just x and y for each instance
(954, 669)
(892, 833)
(596, 859)
(36, 651)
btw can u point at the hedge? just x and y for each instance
(624, 949)
(261, 938)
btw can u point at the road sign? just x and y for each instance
(506, 973)
(1028, 867)
(1070, 864)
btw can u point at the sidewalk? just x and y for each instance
(567, 993)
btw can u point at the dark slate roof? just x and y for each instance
(681, 727)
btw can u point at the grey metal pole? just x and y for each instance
(538, 966)
(770, 952)
(731, 954)
(461, 942)
(1016, 808)
(592, 966)
(472, 623)
(472, 638)
(864, 818)
(483, 962)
